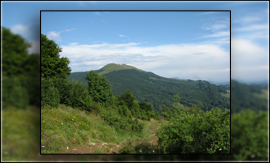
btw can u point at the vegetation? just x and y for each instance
(115, 67)
(52, 65)
(21, 80)
(99, 88)
(73, 119)
(159, 91)
(248, 96)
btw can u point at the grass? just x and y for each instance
(263, 95)
(64, 127)
(226, 94)
(116, 67)
(19, 133)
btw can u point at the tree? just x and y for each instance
(99, 88)
(128, 98)
(14, 53)
(20, 68)
(51, 64)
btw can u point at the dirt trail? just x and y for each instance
(154, 139)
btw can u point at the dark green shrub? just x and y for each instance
(79, 97)
(14, 94)
(99, 88)
(137, 126)
(49, 94)
(202, 133)
(250, 135)
(64, 88)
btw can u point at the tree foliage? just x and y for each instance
(250, 135)
(21, 71)
(49, 93)
(159, 91)
(99, 88)
(14, 53)
(51, 64)
(202, 133)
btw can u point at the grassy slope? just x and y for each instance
(82, 132)
(20, 133)
(115, 67)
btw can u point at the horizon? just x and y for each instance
(194, 45)
(149, 43)
(214, 82)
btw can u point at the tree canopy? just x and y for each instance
(14, 53)
(21, 71)
(99, 88)
(51, 64)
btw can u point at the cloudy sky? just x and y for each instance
(189, 45)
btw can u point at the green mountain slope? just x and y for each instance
(160, 91)
(244, 96)
(115, 67)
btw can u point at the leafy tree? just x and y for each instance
(49, 93)
(20, 67)
(99, 88)
(79, 97)
(128, 98)
(14, 94)
(51, 64)
(145, 106)
(14, 53)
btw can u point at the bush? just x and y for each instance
(14, 94)
(49, 94)
(79, 97)
(250, 135)
(64, 87)
(203, 133)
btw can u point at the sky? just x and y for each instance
(187, 45)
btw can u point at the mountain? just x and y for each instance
(246, 96)
(160, 91)
(115, 67)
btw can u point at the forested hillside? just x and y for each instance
(254, 97)
(159, 91)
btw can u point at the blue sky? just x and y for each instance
(190, 45)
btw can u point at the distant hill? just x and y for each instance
(245, 96)
(115, 67)
(160, 91)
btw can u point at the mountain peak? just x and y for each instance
(115, 67)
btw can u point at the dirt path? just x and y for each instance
(154, 139)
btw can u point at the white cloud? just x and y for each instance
(216, 27)
(74, 43)
(35, 47)
(52, 35)
(22, 30)
(122, 36)
(69, 29)
(97, 13)
(251, 19)
(249, 60)
(207, 59)
(253, 27)
(220, 34)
